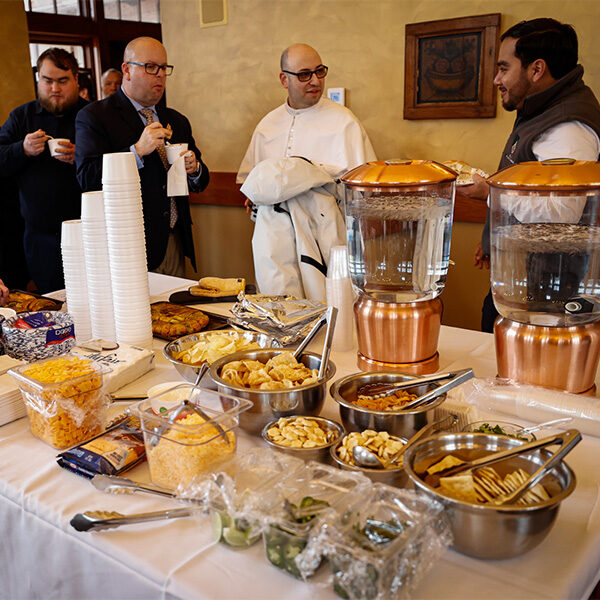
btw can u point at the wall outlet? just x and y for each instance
(337, 95)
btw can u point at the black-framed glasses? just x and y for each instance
(153, 68)
(304, 76)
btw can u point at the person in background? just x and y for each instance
(132, 119)
(3, 293)
(320, 131)
(86, 87)
(47, 185)
(111, 81)
(558, 116)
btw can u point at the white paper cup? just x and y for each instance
(71, 234)
(174, 151)
(119, 167)
(92, 206)
(53, 144)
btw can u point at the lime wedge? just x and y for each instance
(234, 537)
(217, 525)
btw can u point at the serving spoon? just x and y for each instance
(363, 457)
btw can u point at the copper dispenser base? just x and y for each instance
(398, 336)
(564, 358)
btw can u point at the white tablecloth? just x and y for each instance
(41, 556)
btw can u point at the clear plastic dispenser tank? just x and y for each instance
(545, 240)
(398, 222)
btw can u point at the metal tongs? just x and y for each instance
(158, 431)
(99, 520)
(113, 484)
(567, 440)
(329, 317)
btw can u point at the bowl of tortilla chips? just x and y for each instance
(481, 528)
(277, 384)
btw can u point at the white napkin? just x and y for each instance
(177, 183)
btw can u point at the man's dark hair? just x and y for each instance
(548, 39)
(61, 58)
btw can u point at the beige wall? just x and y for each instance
(226, 79)
(16, 85)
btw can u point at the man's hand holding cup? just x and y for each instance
(62, 149)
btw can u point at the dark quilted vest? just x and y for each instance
(568, 99)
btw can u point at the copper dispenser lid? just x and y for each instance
(550, 175)
(398, 173)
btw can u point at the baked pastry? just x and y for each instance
(172, 321)
(23, 302)
(218, 287)
(465, 171)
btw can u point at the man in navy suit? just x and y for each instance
(132, 120)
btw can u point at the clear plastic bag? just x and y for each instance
(382, 549)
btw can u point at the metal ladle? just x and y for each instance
(363, 457)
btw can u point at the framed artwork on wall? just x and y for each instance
(450, 66)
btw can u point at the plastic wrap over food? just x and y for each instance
(65, 398)
(529, 403)
(236, 494)
(382, 549)
(295, 508)
(287, 321)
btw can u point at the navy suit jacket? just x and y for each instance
(113, 125)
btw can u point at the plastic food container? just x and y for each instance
(383, 548)
(240, 492)
(41, 342)
(65, 398)
(180, 443)
(295, 512)
(500, 428)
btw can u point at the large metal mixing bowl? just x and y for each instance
(190, 372)
(483, 530)
(272, 404)
(399, 423)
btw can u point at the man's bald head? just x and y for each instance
(295, 59)
(144, 88)
(297, 52)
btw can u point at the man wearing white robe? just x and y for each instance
(308, 126)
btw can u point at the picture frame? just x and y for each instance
(450, 67)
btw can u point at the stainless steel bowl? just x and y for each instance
(396, 477)
(190, 372)
(272, 404)
(485, 531)
(320, 454)
(399, 423)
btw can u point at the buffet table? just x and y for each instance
(41, 555)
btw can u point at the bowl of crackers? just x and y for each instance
(190, 352)
(275, 382)
(308, 438)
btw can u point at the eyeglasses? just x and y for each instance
(152, 68)
(304, 76)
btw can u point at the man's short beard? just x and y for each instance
(53, 108)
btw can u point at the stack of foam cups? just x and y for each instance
(95, 246)
(71, 245)
(126, 248)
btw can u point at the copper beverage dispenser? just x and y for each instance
(545, 271)
(398, 224)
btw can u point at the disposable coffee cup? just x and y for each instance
(71, 234)
(119, 167)
(53, 144)
(174, 151)
(92, 205)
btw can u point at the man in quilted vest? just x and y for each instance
(558, 116)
